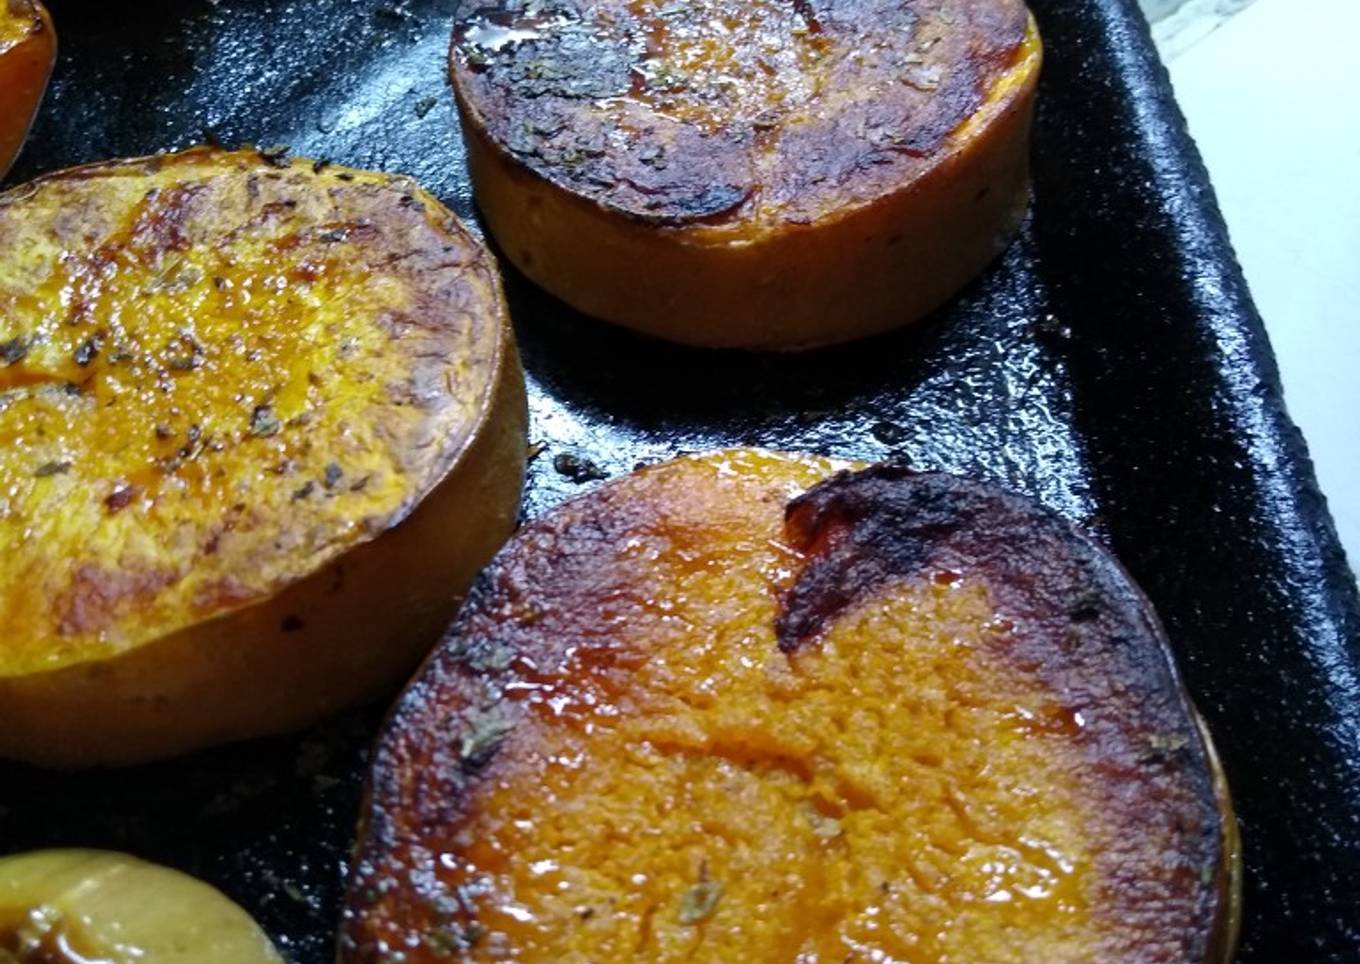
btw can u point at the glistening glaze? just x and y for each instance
(614, 758)
(217, 371)
(1111, 365)
(727, 112)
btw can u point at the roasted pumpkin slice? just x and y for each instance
(749, 173)
(28, 49)
(740, 708)
(261, 421)
(91, 907)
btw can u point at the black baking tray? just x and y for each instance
(1110, 364)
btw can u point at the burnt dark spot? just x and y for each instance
(861, 530)
(578, 470)
(710, 201)
(121, 497)
(572, 62)
(305, 492)
(292, 624)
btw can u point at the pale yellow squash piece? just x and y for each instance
(91, 907)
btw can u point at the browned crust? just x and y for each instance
(332, 640)
(1079, 624)
(390, 227)
(1083, 626)
(348, 627)
(570, 89)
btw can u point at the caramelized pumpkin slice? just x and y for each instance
(28, 49)
(730, 709)
(261, 421)
(89, 907)
(749, 173)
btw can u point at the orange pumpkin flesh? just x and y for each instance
(261, 422)
(904, 718)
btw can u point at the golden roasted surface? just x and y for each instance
(723, 112)
(218, 371)
(901, 718)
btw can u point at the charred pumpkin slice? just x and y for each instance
(28, 49)
(261, 422)
(740, 708)
(749, 173)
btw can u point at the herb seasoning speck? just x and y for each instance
(276, 155)
(485, 732)
(13, 351)
(49, 469)
(700, 901)
(263, 422)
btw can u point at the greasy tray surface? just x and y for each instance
(1110, 365)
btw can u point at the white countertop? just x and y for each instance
(1266, 91)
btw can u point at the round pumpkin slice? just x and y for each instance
(28, 49)
(749, 173)
(261, 422)
(741, 707)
